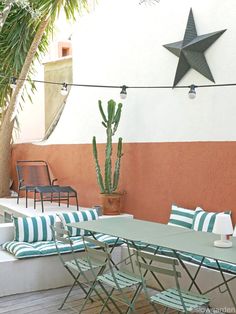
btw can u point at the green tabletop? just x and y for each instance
(176, 238)
(200, 243)
(130, 229)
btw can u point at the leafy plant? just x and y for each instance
(108, 185)
(25, 31)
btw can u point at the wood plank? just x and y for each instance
(47, 302)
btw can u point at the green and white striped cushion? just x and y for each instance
(181, 217)
(71, 217)
(204, 221)
(33, 229)
(44, 248)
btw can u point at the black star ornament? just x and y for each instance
(191, 51)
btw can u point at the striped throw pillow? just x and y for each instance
(181, 217)
(204, 221)
(33, 229)
(83, 215)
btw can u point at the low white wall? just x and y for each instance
(6, 232)
(33, 274)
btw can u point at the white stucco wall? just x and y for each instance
(32, 117)
(121, 42)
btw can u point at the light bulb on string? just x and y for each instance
(64, 90)
(123, 93)
(13, 82)
(192, 92)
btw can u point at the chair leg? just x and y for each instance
(167, 309)
(76, 198)
(109, 298)
(41, 198)
(132, 302)
(18, 196)
(59, 199)
(105, 303)
(155, 308)
(26, 198)
(34, 199)
(68, 196)
(88, 297)
(76, 281)
(66, 297)
(99, 296)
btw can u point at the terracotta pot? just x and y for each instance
(111, 203)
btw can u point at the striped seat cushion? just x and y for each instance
(204, 221)
(181, 217)
(43, 248)
(71, 217)
(192, 258)
(33, 229)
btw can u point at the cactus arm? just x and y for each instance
(108, 166)
(101, 111)
(111, 111)
(117, 115)
(117, 118)
(117, 165)
(98, 169)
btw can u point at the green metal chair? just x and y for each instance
(174, 298)
(79, 268)
(114, 279)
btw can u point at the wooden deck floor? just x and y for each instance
(47, 302)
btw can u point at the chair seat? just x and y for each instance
(171, 299)
(124, 279)
(83, 264)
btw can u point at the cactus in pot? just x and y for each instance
(109, 183)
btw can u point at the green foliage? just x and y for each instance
(18, 33)
(108, 185)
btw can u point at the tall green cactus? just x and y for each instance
(108, 185)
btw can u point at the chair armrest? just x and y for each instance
(54, 180)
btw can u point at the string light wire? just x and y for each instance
(121, 86)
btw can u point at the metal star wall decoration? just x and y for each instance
(191, 51)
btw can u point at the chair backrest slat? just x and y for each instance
(160, 270)
(64, 240)
(95, 242)
(158, 258)
(61, 235)
(97, 253)
(60, 231)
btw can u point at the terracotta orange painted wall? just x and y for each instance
(153, 175)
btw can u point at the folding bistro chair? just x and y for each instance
(113, 279)
(174, 298)
(78, 268)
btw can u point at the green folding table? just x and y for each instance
(174, 238)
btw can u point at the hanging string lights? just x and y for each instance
(123, 93)
(13, 82)
(192, 92)
(64, 90)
